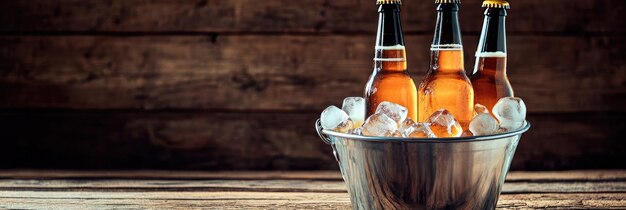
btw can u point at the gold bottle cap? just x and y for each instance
(496, 4)
(447, 1)
(379, 2)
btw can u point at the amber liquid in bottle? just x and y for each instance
(390, 80)
(446, 85)
(489, 77)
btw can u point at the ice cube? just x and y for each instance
(406, 125)
(443, 124)
(420, 130)
(415, 130)
(394, 111)
(355, 108)
(483, 124)
(467, 134)
(335, 119)
(397, 134)
(510, 112)
(379, 124)
(356, 131)
(479, 108)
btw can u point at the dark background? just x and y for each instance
(238, 84)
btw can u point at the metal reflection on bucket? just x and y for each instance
(424, 173)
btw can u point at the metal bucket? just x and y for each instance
(401, 173)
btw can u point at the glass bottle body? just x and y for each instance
(490, 81)
(489, 77)
(447, 87)
(391, 82)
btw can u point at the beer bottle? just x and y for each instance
(390, 80)
(446, 85)
(489, 76)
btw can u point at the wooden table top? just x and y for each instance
(602, 189)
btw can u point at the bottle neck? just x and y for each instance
(390, 52)
(389, 27)
(493, 35)
(447, 47)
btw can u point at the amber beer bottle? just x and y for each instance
(390, 80)
(446, 85)
(489, 76)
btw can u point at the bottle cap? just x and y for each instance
(379, 2)
(447, 1)
(496, 4)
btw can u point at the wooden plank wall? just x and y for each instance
(238, 84)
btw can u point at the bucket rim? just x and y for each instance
(325, 133)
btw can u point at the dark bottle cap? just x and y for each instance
(496, 4)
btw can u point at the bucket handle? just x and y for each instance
(318, 128)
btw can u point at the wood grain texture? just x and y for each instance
(562, 201)
(80, 193)
(571, 176)
(574, 16)
(211, 84)
(279, 72)
(337, 186)
(206, 140)
(168, 140)
(179, 200)
(213, 175)
(513, 176)
(269, 200)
